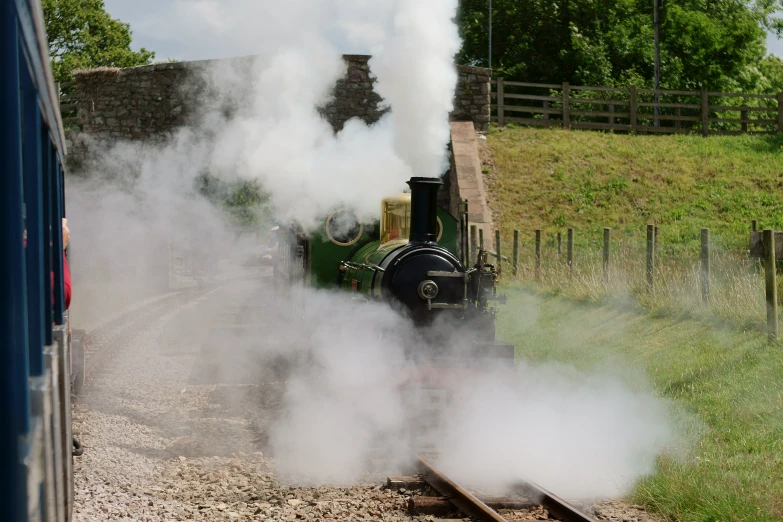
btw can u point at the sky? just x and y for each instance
(181, 29)
(200, 29)
(774, 45)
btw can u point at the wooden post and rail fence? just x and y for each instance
(633, 109)
(766, 245)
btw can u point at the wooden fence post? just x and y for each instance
(501, 102)
(538, 255)
(771, 284)
(611, 111)
(516, 251)
(497, 248)
(744, 118)
(633, 109)
(780, 112)
(473, 246)
(650, 257)
(705, 265)
(570, 247)
(754, 225)
(677, 123)
(607, 231)
(655, 241)
(705, 113)
(546, 107)
(481, 238)
(566, 110)
(559, 246)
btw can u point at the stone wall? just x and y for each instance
(134, 103)
(354, 96)
(141, 103)
(471, 99)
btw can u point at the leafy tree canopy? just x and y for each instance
(245, 204)
(83, 35)
(716, 43)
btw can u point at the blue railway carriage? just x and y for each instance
(36, 478)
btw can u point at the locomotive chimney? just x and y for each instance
(424, 209)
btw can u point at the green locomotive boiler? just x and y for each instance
(414, 258)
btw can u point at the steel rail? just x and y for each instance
(555, 505)
(472, 506)
(462, 499)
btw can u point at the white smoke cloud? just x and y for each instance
(346, 398)
(349, 393)
(417, 80)
(278, 136)
(581, 435)
(283, 141)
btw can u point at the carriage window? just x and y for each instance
(343, 228)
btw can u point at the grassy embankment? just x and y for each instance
(730, 380)
(711, 359)
(553, 180)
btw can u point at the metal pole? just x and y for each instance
(473, 247)
(657, 23)
(489, 61)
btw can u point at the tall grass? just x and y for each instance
(736, 282)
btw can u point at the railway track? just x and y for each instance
(430, 491)
(435, 494)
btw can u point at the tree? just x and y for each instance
(716, 43)
(245, 204)
(83, 35)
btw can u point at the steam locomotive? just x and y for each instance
(416, 258)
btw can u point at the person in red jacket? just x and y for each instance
(66, 269)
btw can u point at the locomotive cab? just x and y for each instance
(396, 218)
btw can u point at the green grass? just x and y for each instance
(712, 359)
(553, 179)
(732, 380)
